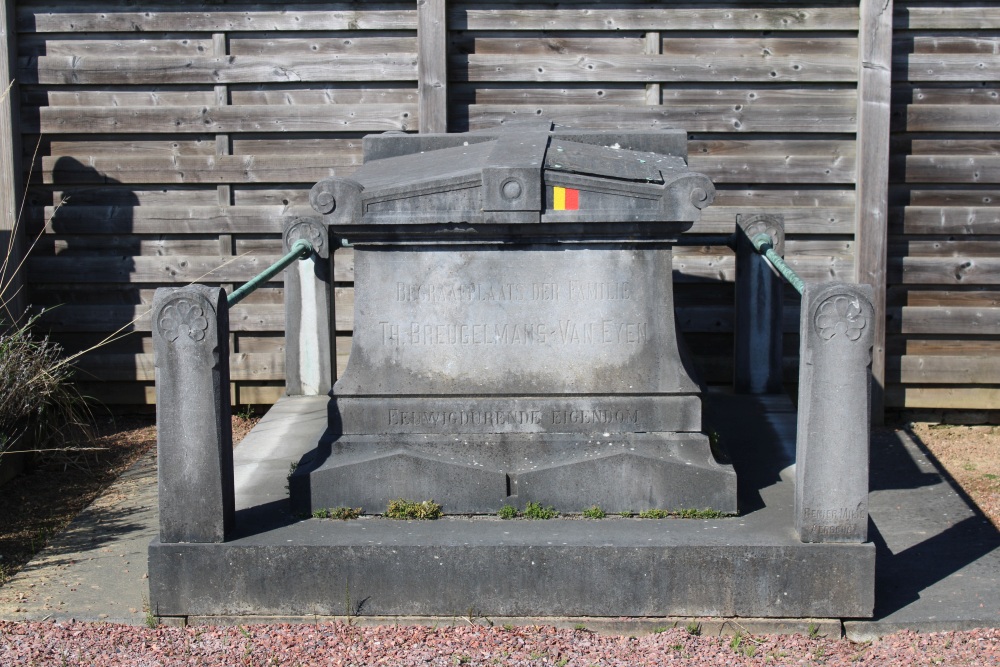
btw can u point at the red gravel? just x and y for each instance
(340, 644)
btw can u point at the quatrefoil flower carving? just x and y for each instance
(183, 317)
(840, 316)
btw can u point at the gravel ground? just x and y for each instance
(341, 644)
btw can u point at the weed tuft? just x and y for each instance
(693, 628)
(594, 512)
(342, 513)
(150, 618)
(535, 510)
(681, 514)
(406, 509)
(507, 512)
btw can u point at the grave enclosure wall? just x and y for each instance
(173, 140)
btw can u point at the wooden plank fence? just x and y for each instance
(943, 300)
(166, 144)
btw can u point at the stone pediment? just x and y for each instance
(516, 176)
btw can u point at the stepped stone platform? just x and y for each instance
(751, 565)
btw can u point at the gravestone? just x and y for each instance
(514, 333)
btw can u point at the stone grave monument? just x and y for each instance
(514, 334)
(514, 342)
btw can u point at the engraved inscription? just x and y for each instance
(464, 417)
(444, 418)
(834, 522)
(836, 514)
(573, 290)
(563, 332)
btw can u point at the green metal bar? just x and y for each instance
(300, 250)
(762, 242)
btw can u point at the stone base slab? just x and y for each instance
(611, 567)
(477, 474)
(749, 565)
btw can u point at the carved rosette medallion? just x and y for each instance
(308, 229)
(772, 225)
(182, 317)
(840, 315)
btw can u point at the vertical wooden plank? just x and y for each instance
(871, 207)
(432, 66)
(654, 46)
(11, 234)
(223, 146)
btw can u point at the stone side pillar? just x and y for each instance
(194, 429)
(309, 347)
(759, 299)
(831, 458)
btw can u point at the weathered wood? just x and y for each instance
(874, 92)
(633, 95)
(943, 370)
(708, 67)
(948, 67)
(211, 17)
(118, 367)
(148, 269)
(946, 94)
(11, 230)
(214, 119)
(136, 318)
(952, 118)
(694, 118)
(962, 146)
(347, 42)
(388, 93)
(918, 196)
(253, 394)
(59, 294)
(343, 151)
(775, 168)
(943, 398)
(652, 45)
(958, 320)
(952, 168)
(945, 270)
(122, 45)
(82, 148)
(945, 248)
(548, 43)
(947, 220)
(192, 169)
(146, 70)
(903, 345)
(902, 295)
(470, 16)
(948, 16)
(432, 66)
(74, 219)
(112, 96)
(96, 246)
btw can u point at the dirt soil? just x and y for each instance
(971, 455)
(42, 501)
